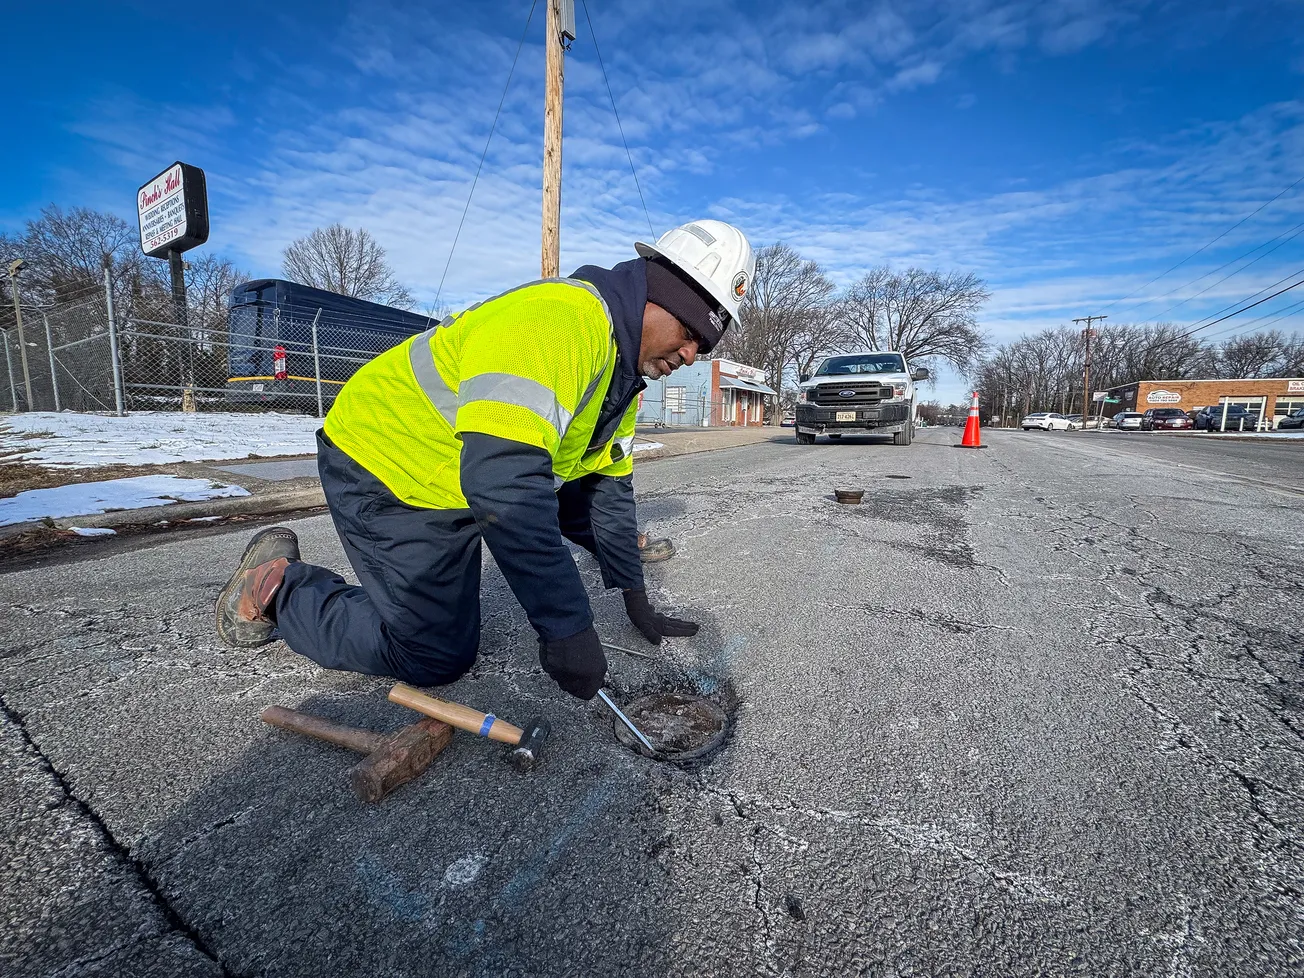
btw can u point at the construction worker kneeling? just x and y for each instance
(511, 423)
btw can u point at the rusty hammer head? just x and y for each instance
(525, 755)
(399, 757)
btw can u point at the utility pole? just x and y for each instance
(15, 267)
(560, 29)
(1086, 366)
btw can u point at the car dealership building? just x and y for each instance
(1271, 399)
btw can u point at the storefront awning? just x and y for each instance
(746, 385)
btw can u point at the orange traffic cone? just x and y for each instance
(970, 439)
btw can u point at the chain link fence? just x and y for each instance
(116, 349)
(122, 352)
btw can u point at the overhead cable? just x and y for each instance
(485, 153)
(593, 34)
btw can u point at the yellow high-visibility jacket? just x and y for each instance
(532, 365)
(499, 406)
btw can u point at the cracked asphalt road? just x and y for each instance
(1034, 710)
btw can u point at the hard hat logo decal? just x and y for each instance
(740, 284)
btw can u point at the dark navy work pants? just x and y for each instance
(415, 615)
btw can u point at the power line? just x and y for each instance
(1276, 316)
(476, 178)
(1225, 278)
(1297, 229)
(1209, 244)
(593, 34)
(1257, 302)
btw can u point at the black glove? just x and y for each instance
(651, 622)
(578, 663)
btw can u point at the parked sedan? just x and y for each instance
(1165, 419)
(1128, 421)
(1293, 420)
(1237, 418)
(1046, 421)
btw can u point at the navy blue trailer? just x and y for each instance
(267, 313)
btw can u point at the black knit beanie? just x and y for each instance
(686, 301)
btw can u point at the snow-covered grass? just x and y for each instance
(85, 498)
(646, 446)
(152, 437)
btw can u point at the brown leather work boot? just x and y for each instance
(245, 605)
(654, 551)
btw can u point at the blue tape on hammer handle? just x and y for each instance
(489, 719)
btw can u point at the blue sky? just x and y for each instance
(1068, 152)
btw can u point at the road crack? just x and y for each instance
(138, 868)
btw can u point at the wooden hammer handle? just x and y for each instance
(456, 715)
(362, 741)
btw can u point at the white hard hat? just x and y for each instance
(715, 255)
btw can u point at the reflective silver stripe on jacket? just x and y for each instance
(626, 448)
(501, 387)
(422, 355)
(520, 391)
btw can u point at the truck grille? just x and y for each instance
(830, 395)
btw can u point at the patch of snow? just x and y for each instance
(646, 446)
(202, 519)
(465, 870)
(93, 531)
(154, 437)
(100, 497)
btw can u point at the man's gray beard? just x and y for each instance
(652, 370)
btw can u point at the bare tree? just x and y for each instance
(923, 314)
(1254, 355)
(784, 314)
(346, 261)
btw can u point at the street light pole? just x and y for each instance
(14, 268)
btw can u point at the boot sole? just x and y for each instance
(246, 563)
(658, 557)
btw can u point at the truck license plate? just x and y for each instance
(846, 416)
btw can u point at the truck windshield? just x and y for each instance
(863, 363)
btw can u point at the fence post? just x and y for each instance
(9, 362)
(316, 362)
(49, 348)
(113, 345)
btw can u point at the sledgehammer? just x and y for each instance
(528, 743)
(392, 759)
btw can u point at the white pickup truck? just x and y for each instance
(866, 392)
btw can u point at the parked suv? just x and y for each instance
(859, 392)
(1165, 419)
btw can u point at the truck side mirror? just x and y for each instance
(803, 378)
(921, 373)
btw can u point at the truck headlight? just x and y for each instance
(808, 395)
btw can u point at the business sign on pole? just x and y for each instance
(1099, 395)
(173, 210)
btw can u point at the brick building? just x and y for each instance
(1270, 399)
